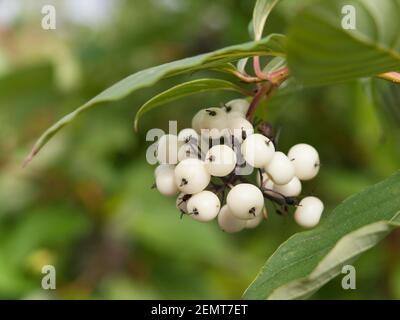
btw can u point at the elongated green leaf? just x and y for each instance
(272, 45)
(309, 259)
(185, 89)
(322, 51)
(261, 12)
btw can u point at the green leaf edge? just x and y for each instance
(370, 234)
(194, 87)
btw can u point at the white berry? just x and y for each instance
(253, 223)
(308, 212)
(161, 168)
(214, 122)
(240, 128)
(237, 105)
(191, 176)
(198, 120)
(165, 181)
(291, 189)
(305, 160)
(257, 150)
(245, 201)
(188, 151)
(167, 149)
(228, 222)
(280, 168)
(220, 160)
(203, 206)
(188, 135)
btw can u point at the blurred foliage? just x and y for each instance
(85, 204)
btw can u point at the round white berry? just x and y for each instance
(308, 212)
(165, 181)
(228, 222)
(213, 124)
(253, 223)
(182, 201)
(237, 105)
(291, 189)
(197, 121)
(245, 201)
(191, 176)
(167, 149)
(220, 160)
(240, 128)
(188, 151)
(203, 206)
(280, 168)
(305, 160)
(257, 150)
(188, 135)
(163, 167)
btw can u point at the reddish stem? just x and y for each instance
(257, 69)
(278, 76)
(257, 98)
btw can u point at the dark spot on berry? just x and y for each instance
(211, 113)
(316, 165)
(195, 211)
(244, 134)
(211, 158)
(253, 211)
(183, 182)
(227, 108)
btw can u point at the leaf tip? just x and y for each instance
(30, 157)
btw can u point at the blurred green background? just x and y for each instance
(85, 204)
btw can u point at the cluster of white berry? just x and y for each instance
(203, 162)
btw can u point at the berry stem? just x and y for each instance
(256, 99)
(257, 69)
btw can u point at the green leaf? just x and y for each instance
(261, 11)
(321, 51)
(272, 45)
(185, 89)
(307, 260)
(386, 96)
